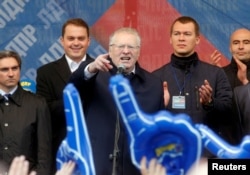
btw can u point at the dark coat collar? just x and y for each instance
(16, 97)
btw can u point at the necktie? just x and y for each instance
(6, 99)
(129, 75)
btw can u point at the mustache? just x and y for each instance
(241, 55)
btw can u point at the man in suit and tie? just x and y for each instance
(53, 77)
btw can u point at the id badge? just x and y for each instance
(178, 102)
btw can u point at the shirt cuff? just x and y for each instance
(87, 74)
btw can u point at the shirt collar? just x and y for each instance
(11, 92)
(72, 64)
(133, 71)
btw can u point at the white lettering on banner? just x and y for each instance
(55, 50)
(50, 14)
(23, 40)
(10, 9)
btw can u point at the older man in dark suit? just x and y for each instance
(108, 139)
(53, 77)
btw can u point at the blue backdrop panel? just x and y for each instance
(33, 27)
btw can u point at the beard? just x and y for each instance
(243, 58)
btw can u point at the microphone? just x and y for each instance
(120, 69)
(114, 155)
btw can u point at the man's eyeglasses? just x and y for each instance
(122, 47)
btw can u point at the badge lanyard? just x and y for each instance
(187, 76)
(179, 102)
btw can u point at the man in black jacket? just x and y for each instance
(53, 77)
(240, 49)
(242, 95)
(24, 119)
(108, 140)
(196, 88)
(239, 76)
(242, 99)
(238, 71)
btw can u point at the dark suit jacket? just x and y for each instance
(101, 113)
(51, 80)
(242, 100)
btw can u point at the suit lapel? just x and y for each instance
(62, 68)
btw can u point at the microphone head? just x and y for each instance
(120, 69)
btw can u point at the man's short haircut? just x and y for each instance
(13, 54)
(185, 20)
(77, 22)
(125, 30)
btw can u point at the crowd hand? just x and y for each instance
(215, 58)
(242, 71)
(205, 92)
(154, 168)
(101, 63)
(67, 168)
(20, 166)
(199, 168)
(166, 93)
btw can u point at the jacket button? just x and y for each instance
(111, 156)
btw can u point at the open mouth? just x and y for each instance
(125, 58)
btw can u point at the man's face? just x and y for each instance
(240, 44)
(184, 39)
(9, 73)
(75, 42)
(124, 50)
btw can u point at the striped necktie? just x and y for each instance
(6, 97)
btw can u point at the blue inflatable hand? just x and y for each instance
(172, 139)
(222, 149)
(76, 146)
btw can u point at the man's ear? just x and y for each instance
(198, 38)
(230, 49)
